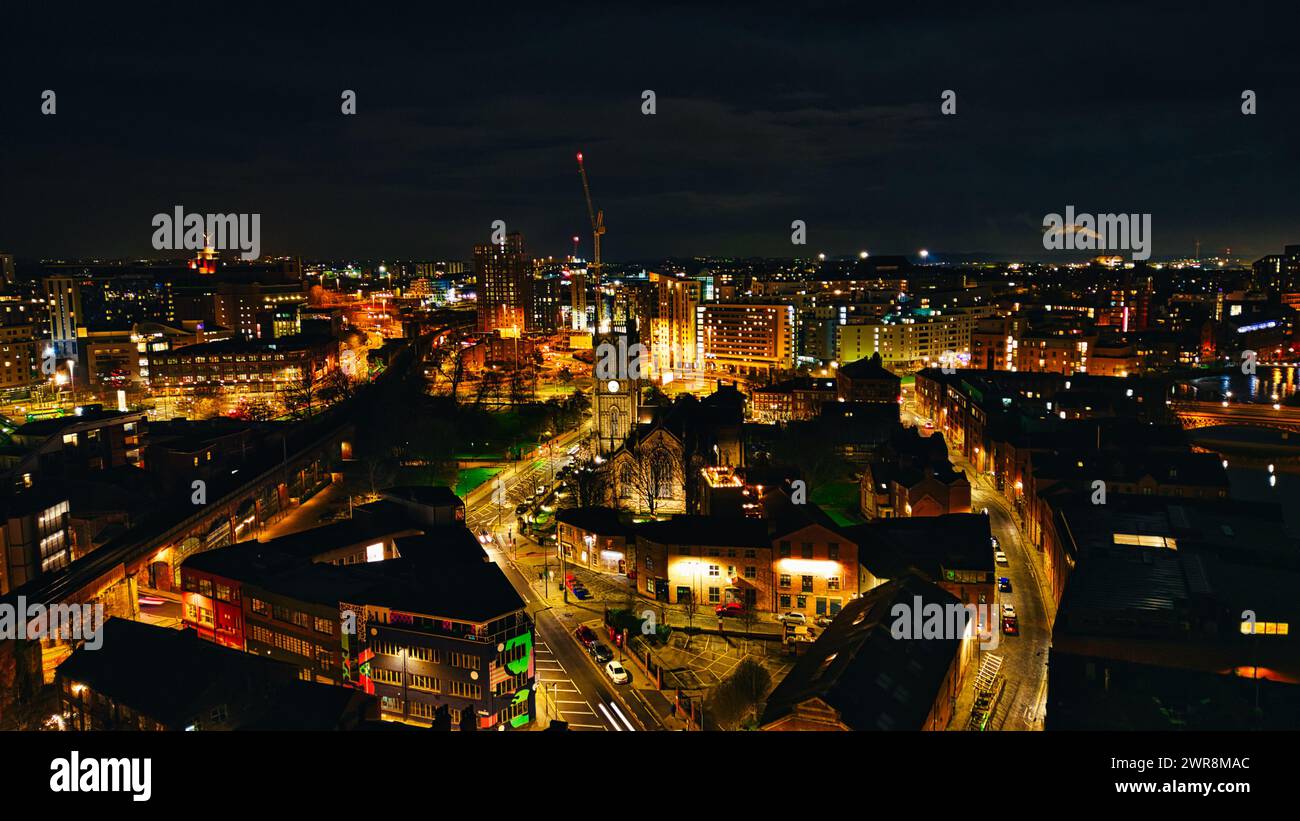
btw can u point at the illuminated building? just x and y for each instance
(793, 400)
(595, 538)
(505, 282)
(706, 560)
(746, 339)
(241, 366)
(673, 350)
(36, 537)
(909, 339)
(420, 620)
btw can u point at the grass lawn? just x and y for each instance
(467, 480)
(840, 501)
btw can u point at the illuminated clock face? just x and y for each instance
(612, 387)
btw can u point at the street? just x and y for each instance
(570, 685)
(1024, 656)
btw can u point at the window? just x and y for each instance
(299, 618)
(751, 572)
(261, 607)
(750, 553)
(383, 676)
(832, 582)
(324, 625)
(785, 579)
(713, 570)
(801, 602)
(806, 584)
(427, 683)
(464, 689)
(464, 660)
(785, 550)
(785, 600)
(833, 551)
(715, 595)
(205, 587)
(806, 550)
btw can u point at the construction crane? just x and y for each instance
(597, 231)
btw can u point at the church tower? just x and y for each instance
(619, 370)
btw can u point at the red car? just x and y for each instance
(584, 635)
(731, 608)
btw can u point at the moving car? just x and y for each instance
(601, 653)
(617, 673)
(1004, 584)
(585, 637)
(793, 617)
(731, 608)
(1000, 557)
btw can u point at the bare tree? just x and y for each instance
(300, 393)
(651, 475)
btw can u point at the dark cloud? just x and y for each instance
(825, 112)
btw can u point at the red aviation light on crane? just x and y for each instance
(579, 156)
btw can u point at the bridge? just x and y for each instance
(1210, 414)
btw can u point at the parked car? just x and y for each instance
(601, 653)
(1008, 611)
(823, 621)
(793, 617)
(1000, 557)
(731, 608)
(994, 540)
(1004, 584)
(617, 673)
(521, 507)
(585, 637)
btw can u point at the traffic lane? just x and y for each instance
(1024, 655)
(595, 686)
(592, 684)
(565, 699)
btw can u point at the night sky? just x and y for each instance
(818, 112)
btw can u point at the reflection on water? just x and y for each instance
(1269, 384)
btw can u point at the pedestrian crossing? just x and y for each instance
(563, 694)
